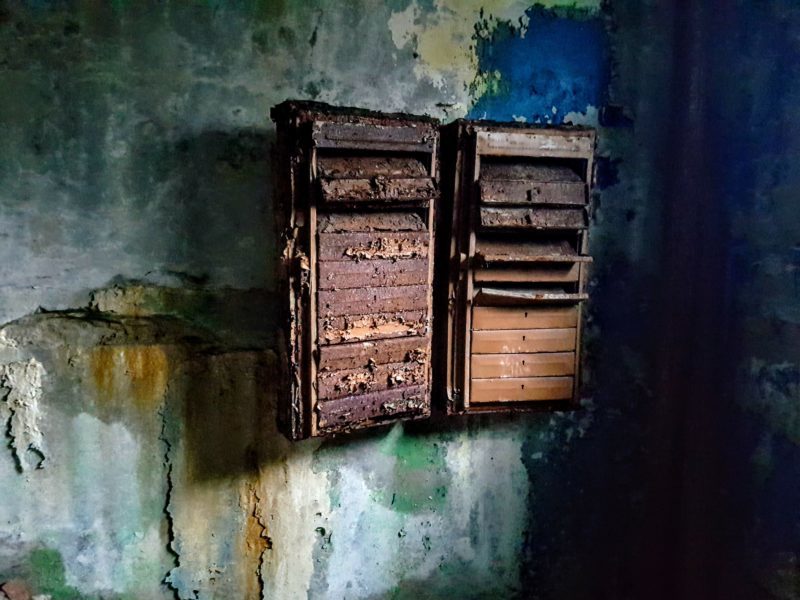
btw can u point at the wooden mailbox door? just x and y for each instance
(357, 192)
(516, 265)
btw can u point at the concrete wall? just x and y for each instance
(136, 289)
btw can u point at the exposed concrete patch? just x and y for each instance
(590, 117)
(5, 341)
(22, 414)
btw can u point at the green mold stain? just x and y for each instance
(572, 8)
(44, 573)
(489, 83)
(420, 477)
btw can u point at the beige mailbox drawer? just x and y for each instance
(521, 389)
(523, 340)
(542, 364)
(501, 317)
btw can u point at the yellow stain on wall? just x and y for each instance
(255, 541)
(138, 372)
(444, 38)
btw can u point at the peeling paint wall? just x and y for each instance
(136, 296)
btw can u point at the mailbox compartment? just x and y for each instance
(513, 256)
(358, 191)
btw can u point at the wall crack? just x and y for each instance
(171, 549)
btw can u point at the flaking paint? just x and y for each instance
(146, 126)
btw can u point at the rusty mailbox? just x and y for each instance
(355, 206)
(513, 277)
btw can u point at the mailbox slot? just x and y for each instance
(515, 264)
(361, 190)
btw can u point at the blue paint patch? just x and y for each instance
(560, 62)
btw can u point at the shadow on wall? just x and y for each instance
(207, 216)
(226, 226)
(219, 218)
(229, 415)
(206, 200)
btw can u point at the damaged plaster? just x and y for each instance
(153, 384)
(166, 476)
(21, 411)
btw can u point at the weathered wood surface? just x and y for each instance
(370, 167)
(364, 354)
(515, 192)
(374, 378)
(527, 251)
(543, 364)
(525, 296)
(372, 300)
(353, 412)
(534, 170)
(521, 389)
(361, 167)
(552, 274)
(496, 317)
(362, 246)
(377, 189)
(369, 222)
(510, 341)
(363, 136)
(372, 273)
(546, 143)
(533, 218)
(351, 328)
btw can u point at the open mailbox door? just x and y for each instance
(516, 265)
(355, 206)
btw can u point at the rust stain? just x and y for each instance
(139, 372)
(255, 543)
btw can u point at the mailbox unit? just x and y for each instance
(355, 207)
(512, 265)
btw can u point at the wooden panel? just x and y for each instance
(357, 213)
(359, 246)
(497, 317)
(352, 411)
(509, 341)
(375, 378)
(525, 297)
(367, 136)
(372, 300)
(532, 192)
(360, 167)
(377, 189)
(366, 273)
(533, 218)
(486, 366)
(532, 169)
(539, 144)
(530, 274)
(364, 354)
(517, 249)
(371, 222)
(351, 328)
(527, 251)
(521, 389)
